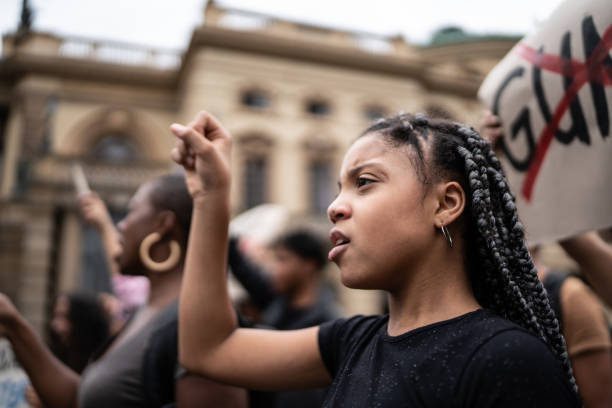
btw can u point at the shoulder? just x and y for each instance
(338, 338)
(584, 324)
(516, 369)
(346, 328)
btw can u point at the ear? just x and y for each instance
(450, 203)
(164, 222)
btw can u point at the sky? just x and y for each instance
(169, 24)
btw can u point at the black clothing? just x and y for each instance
(475, 360)
(122, 376)
(278, 313)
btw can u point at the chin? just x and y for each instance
(356, 281)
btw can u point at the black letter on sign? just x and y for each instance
(523, 121)
(579, 128)
(591, 39)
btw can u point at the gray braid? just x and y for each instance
(502, 272)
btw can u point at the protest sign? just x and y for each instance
(553, 94)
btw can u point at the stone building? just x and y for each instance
(294, 96)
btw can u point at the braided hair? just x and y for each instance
(502, 274)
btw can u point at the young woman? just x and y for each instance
(423, 213)
(138, 368)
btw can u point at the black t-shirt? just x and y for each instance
(475, 360)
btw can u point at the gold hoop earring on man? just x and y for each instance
(145, 256)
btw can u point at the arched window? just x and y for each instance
(255, 181)
(320, 150)
(436, 111)
(374, 112)
(321, 177)
(253, 152)
(318, 107)
(255, 98)
(114, 148)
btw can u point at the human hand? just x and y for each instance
(94, 210)
(203, 149)
(32, 397)
(8, 315)
(491, 128)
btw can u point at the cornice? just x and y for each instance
(463, 84)
(17, 65)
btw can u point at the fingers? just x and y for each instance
(491, 127)
(207, 125)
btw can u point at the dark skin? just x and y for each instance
(56, 384)
(373, 179)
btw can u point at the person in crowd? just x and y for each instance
(581, 316)
(424, 213)
(594, 255)
(78, 328)
(139, 366)
(585, 328)
(291, 296)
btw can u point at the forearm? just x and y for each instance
(594, 257)
(206, 315)
(110, 240)
(54, 382)
(250, 276)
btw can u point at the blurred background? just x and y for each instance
(99, 82)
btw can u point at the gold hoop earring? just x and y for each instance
(149, 263)
(446, 234)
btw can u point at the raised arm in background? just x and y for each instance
(594, 257)
(250, 276)
(209, 341)
(95, 213)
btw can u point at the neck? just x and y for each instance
(306, 294)
(165, 287)
(436, 290)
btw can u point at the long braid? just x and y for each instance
(503, 275)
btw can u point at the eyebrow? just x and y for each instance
(355, 170)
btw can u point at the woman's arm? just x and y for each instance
(95, 213)
(196, 391)
(209, 341)
(594, 257)
(55, 384)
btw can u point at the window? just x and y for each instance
(255, 99)
(255, 188)
(318, 107)
(114, 148)
(435, 111)
(4, 114)
(321, 194)
(373, 112)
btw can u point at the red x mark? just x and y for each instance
(581, 73)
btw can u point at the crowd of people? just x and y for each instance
(423, 213)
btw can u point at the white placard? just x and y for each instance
(553, 93)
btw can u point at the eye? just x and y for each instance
(364, 181)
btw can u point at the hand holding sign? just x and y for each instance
(552, 92)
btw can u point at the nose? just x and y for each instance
(338, 210)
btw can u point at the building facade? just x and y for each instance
(293, 96)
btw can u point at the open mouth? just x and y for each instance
(340, 242)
